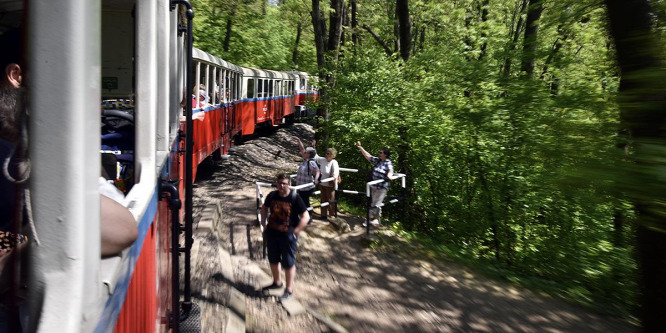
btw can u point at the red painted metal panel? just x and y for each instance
(163, 261)
(140, 309)
(248, 119)
(262, 112)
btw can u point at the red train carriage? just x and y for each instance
(216, 94)
(306, 93)
(133, 55)
(267, 98)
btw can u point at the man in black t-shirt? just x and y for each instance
(288, 216)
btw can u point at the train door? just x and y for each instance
(277, 108)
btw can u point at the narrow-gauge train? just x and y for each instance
(166, 106)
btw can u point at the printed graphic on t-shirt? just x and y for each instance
(280, 212)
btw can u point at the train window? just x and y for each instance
(227, 85)
(266, 86)
(302, 84)
(231, 85)
(250, 88)
(203, 79)
(271, 92)
(117, 55)
(210, 84)
(117, 93)
(234, 87)
(260, 90)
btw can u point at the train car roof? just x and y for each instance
(266, 74)
(203, 56)
(300, 74)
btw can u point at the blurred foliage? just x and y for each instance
(511, 173)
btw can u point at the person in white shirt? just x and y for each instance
(328, 167)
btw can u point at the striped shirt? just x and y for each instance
(305, 175)
(381, 171)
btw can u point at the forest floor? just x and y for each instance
(346, 285)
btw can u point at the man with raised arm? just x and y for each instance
(382, 169)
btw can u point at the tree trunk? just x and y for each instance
(319, 27)
(335, 28)
(354, 24)
(379, 40)
(553, 57)
(484, 31)
(318, 34)
(227, 36)
(294, 55)
(534, 9)
(405, 26)
(642, 98)
(506, 71)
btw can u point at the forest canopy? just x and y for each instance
(511, 119)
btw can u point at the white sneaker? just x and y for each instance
(372, 222)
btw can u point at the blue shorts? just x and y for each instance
(281, 247)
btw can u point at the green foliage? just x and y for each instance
(256, 40)
(503, 171)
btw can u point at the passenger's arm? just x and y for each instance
(316, 176)
(118, 227)
(301, 148)
(365, 153)
(264, 212)
(302, 223)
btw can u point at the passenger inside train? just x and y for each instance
(118, 227)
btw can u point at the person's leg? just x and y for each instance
(326, 192)
(324, 198)
(305, 195)
(274, 257)
(378, 196)
(289, 275)
(275, 270)
(331, 207)
(289, 264)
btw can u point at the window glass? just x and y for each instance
(250, 88)
(260, 91)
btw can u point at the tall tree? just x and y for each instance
(230, 22)
(319, 27)
(514, 34)
(335, 30)
(294, 54)
(642, 97)
(534, 9)
(405, 27)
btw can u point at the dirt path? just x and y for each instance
(377, 289)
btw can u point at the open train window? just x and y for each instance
(117, 83)
(260, 89)
(266, 88)
(250, 88)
